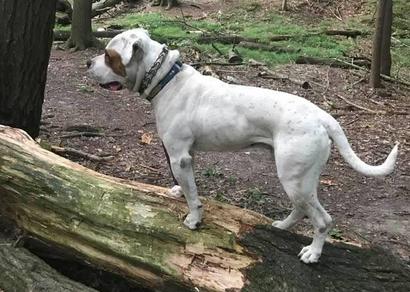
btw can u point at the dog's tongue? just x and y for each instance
(114, 86)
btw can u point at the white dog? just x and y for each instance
(196, 112)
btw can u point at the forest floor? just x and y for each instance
(365, 210)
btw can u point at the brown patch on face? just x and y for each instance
(114, 61)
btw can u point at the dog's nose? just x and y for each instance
(89, 62)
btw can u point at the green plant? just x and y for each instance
(256, 195)
(212, 172)
(85, 88)
(232, 179)
(221, 197)
(336, 233)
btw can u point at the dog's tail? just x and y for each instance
(335, 131)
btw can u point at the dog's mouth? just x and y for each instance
(113, 86)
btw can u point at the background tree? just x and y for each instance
(381, 58)
(284, 5)
(81, 31)
(25, 42)
(386, 39)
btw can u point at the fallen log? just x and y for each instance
(22, 271)
(269, 48)
(353, 64)
(102, 6)
(63, 35)
(272, 75)
(135, 230)
(225, 39)
(236, 39)
(347, 33)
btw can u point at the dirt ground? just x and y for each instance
(365, 209)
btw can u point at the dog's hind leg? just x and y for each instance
(322, 222)
(182, 167)
(298, 170)
(294, 217)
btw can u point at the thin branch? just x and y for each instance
(83, 134)
(198, 64)
(359, 106)
(79, 153)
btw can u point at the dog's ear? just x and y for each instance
(131, 47)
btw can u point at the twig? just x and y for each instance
(82, 128)
(150, 168)
(198, 64)
(351, 122)
(183, 21)
(358, 81)
(79, 153)
(216, 49)
(385, 77)
(83, 134)
(391, 79)
(359, 106)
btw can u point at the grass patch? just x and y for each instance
(178, 33)
(243, 22)
(62, 27)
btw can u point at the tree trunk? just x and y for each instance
(22, 271)
(136, 230)
(386, 42)
(26, 30)
(284, 5)
(81, 32)
(377, 45)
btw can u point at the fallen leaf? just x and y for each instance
(327, 182)
(146, 138)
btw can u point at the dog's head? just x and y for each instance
(124, 61)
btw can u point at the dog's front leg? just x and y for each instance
(182, 168)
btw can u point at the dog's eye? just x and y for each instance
(135, 46)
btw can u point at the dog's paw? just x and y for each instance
(279, 224)
(175, 192)
(309, 254)
(192, 222)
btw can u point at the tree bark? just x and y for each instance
(375, 80)
(22, 271)
(136, 230)
(386, 42)
(284, 6)
(25, 43)
(81, 32)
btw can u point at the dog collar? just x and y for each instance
(176, 68)
(153, 70)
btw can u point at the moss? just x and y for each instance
(141, 227)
